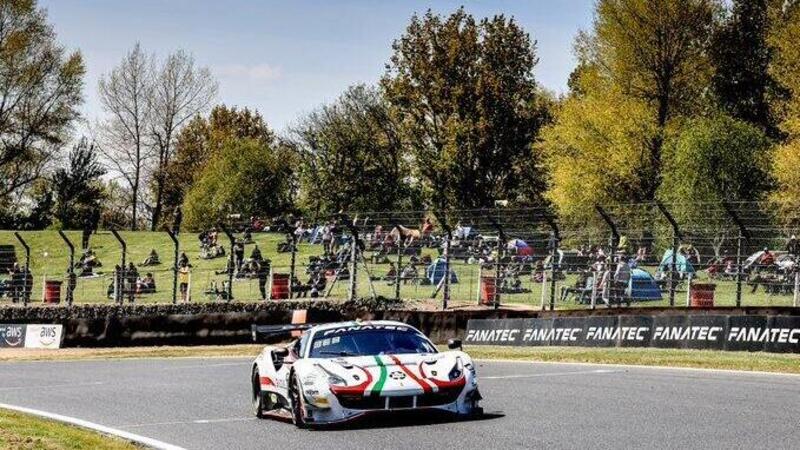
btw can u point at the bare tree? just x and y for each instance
(125, 95)
(180, 90)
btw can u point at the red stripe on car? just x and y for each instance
(426, 388)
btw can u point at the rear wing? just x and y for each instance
(263, 332)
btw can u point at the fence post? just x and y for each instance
(796, 302)
(744, 234)
(25, 293)
(233, 261)
(293, 240)
(676, 237)
(120, 277)
(172, 235)
(553, 263)
(501, 248)
(354, 247)
(70, 270)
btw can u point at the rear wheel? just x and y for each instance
(296, 399)
(258, 398)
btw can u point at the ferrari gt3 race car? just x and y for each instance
(339, 372)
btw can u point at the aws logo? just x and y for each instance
(12, 335)
(48, 335)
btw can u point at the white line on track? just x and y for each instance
(50, 386)
(149, 442)
(549, 374)
(188, 422)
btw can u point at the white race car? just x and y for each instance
(338, 372)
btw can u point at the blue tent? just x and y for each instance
(435, 272)
(643, 286)
(681, 264)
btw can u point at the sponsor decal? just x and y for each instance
(43, 336)
(365, 327)
(397, 375)
(722, 332)
(12, 335)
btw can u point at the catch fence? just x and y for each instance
(727, 254)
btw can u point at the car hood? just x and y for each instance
(393, 375)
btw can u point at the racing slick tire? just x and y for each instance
(258, 398)
(296, 401)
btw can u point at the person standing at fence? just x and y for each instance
(131, 276)
(183, 280)
(622, 277)
(17, 283)
(793, 247)
(262, 271)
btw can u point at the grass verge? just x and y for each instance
(703, 359)
(23, 431)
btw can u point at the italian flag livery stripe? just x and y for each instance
(376, 390)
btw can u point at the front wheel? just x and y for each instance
(298, 406)
(258, 398)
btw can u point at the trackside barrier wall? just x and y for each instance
(752, 333)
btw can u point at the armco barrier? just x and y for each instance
(769, 333)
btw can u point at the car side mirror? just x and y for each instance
(281, 352)
(454, 344)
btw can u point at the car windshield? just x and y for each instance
(354, 341)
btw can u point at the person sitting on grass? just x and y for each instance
(152, 259)
(147, 284)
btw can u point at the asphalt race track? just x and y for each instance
(204, 404)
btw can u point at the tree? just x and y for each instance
(125, 95)
(352, 155)
(244, 177)
(180, 91)
(786, 70)
(654, 52)
(741, 57)
(78, 187)
(201, 139)
(464, 93)
(596, 153)
(40, 89)
(715, 159)
(147, 101)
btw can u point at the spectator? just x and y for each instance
(793, 246)
(238, 255)
(262, 272)
(184, 276)
(767, 259)
(255, 255)
(17, 283)
(183, 259)
(131, 277)
(146, 285)
(391, 274)
(622, 277)
(152, 259)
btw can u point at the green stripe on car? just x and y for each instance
(376, 390)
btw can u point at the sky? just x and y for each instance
(286, 58)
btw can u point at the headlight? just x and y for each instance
(333, 379)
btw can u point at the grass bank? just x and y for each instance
(22, 431)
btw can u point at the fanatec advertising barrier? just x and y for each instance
(713, 332)
(30, 336)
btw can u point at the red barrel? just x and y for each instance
(280, 286)
(702, 295)
(52, 291)
(488, 290)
